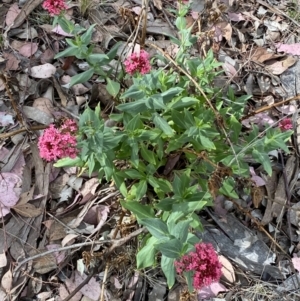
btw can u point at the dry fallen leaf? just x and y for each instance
(28, 49)
(289, 48)
(12, 14)
(44, 264)
(3, 260)
(276, 68)
(28, 210)
(289, 61)
(261, 55)
(44, 104)
(12, 62)
(9, 190)
(6, 281)
(157, 4)
(227, 269)
(43, 71)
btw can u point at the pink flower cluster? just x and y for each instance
(286, 124)
(138, 63)
(54, 7)
(203, 262)
(57, 143)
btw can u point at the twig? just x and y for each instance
(32, 128)
(115, 243)
(274, 105)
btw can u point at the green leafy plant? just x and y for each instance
(80, 47)
(171, 149)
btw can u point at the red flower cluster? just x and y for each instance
(57, 143)
(203, 262)
(138, 63)
(286, 124)
(54, 7)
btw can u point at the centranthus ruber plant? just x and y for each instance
(167, 148)
(57, 143)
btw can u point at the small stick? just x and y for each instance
(32, 128)
(115, 243)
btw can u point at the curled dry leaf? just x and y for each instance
(12, 14)
(6, 281)
(3, 260)
(28, 210)
(43, 71)
(157, 4)
(28, 49)
(227, 269)
(68, 239)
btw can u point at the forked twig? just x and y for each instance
(115, 243)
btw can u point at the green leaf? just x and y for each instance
(162, 124)
(113, 88)
(228, 188)
(184, 102)
(97, 58)
(141, 189)
(180, 23)
(113, 51)
(132, 174)
(66, 25)
(189, 207)
(119, 181)
(264, 159)
(178, 120)
(134, 124)
(86, 37)
(236, 127)
(159, 183)
(134, 107)
(82, 77)
(70, 51)
(168, 267)
(207, 143)
(171, 93)
(64, 162)
(141, 211)
(148, 155)
(180, 230)
(170, 248)
(146, 256)
(156, 227)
